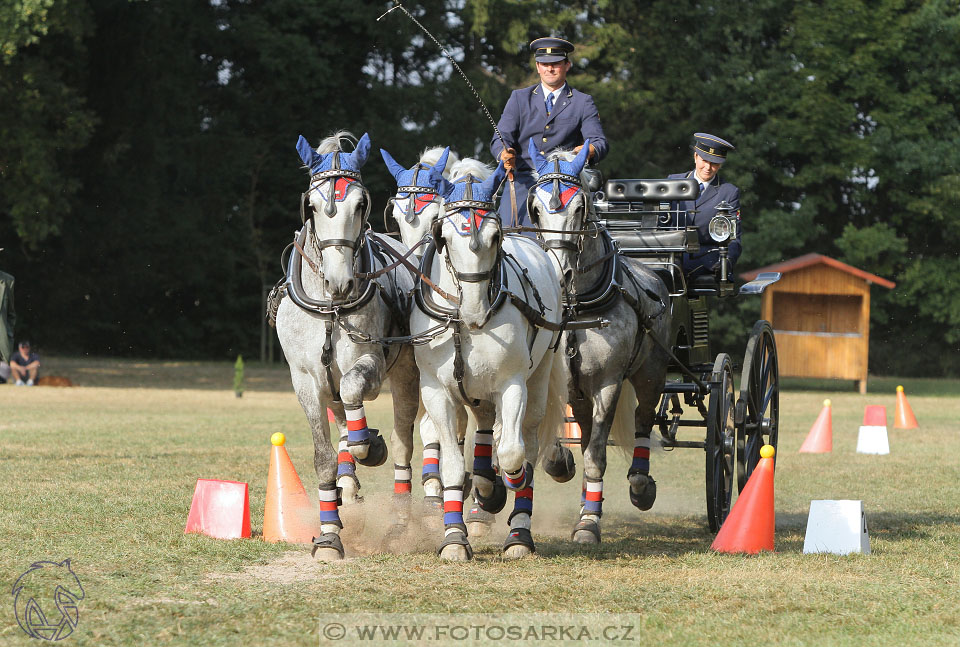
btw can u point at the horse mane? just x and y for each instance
(431, 156)
(470, 166)
(334, 142)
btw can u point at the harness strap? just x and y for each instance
(458, 366)
(326, 357)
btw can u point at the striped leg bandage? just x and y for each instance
(329, 495)
(592, 497)
(641, 455)
(431, 462)
(346, 466)
(357, 431)
(402, 475)
(453, 510)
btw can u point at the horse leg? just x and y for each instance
(643, 489)
(361, 382)
(489, 493)
(347, 479)
(519, 541)
(406, 400)
(443, 412)
(604, 408)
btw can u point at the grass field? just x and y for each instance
(103, 474)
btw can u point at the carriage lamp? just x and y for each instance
(723, 227)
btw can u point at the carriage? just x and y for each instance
(644, 219)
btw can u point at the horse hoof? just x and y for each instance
(478, 529)
(517, 552)
(454, 553)
(455, 548)
(327, 555)
(327, 548)
(479, 521)
(519, 544)
(376, 454)
(349, 489)
(563, 469)
(495, 502)
(643, 491)
(586, 531)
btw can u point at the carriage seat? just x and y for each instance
(638, 242)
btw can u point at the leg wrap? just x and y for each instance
(453, 510)
(402, 475)
(431, 462)
(483, 453)
(592, 497)
(346, 466)
(641, 455)
(329, 495)
(520, 479)
(357, 431)
(522, 502)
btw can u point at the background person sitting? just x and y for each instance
(709, 153)
(24, 365)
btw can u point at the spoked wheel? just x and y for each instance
(758, 407)
(721, 443)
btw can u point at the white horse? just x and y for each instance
(495, 359)
(415, 207)
(329, 324)
(598, 362)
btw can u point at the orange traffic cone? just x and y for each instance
(288, 514)
(820, 438)
(220, 509)
(903, 417)
(749, 526)
(571, 428)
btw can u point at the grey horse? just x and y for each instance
(599, 362)
(337, 309)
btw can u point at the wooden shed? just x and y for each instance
(820, 313)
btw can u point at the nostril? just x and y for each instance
(349, 287)
(568, 276)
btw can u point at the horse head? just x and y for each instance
(337, 206)
(558, 202)
(470, 234)
(416, 204)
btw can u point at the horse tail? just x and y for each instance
(551, 427)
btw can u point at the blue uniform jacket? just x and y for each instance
(574, 120)
(714, 193)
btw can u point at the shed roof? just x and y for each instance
(807, 260)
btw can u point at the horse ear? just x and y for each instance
(307, 154)
(538, 158)
(361, 152)
(435, 177)
(392, 165)
(581, 159)
(442, 162)
(492, 183)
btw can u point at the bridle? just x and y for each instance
(331, 177)
(468, 203)
(555, 178)
(412, 190)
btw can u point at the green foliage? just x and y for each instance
(238, 376)
(148, 148)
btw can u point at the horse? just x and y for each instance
(340, 302)
(598, 362)
(502, 306)
(415, 207)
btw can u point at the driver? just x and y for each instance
(709, 154)
(551, 112)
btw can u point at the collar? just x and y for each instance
(556, 93)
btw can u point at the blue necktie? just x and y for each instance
(549, 103)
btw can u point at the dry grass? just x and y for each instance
(104, 475)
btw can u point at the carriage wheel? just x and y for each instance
(758, 407)
(721, 443)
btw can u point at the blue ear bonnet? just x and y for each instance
(572, 167)
(555, 193)
(417, 175)
(346, 161)
(479, 191)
